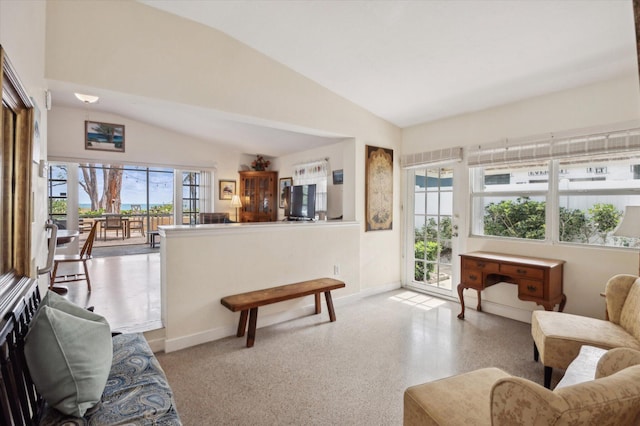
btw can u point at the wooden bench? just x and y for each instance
(248, 303)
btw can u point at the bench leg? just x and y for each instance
(318, 307)
(242, 325)
(253, 320)
(332, 314)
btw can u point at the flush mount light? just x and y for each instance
(87, 99)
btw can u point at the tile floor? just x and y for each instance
(125, 290)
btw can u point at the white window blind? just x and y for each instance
(431, 158)
(556, 147)
(314, 173)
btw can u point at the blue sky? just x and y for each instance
(134, 190)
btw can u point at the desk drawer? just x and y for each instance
(522, 271)
(531, 288)
(472, 278)
(482, 265)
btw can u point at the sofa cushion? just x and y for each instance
(137, 391)
(69, 358)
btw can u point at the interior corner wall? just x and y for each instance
(587, 268)
(22, 36)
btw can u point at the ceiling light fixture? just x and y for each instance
(87, 99)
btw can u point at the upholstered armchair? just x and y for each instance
(558, 336)
(490, 396)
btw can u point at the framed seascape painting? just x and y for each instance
(284, 182)
(227, 189)
(103, 136)
(379, 189)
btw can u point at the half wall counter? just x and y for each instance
(201, 264)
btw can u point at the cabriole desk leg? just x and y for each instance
(461, 297)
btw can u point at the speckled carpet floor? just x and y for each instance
(354, 371)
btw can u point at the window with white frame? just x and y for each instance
(314, 173)
(572, 190)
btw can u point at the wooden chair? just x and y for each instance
(85, 254)
(113, 221)
(85, 225)
(136, 221)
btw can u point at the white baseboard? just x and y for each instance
(182, 342)
(506, 311)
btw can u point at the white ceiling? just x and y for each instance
(407, 61)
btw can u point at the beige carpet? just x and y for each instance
(354, 371)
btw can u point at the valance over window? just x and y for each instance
(431, 158)
(556, 146)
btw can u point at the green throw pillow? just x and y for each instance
(54, 300)
(69, 357)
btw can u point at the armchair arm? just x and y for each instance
(515, 400)
(616, 293)
(615, 360)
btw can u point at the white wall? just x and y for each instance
(587, 268)
(22, 35)
(204, 263)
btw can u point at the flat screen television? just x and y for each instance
(300, 202)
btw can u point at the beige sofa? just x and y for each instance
(559, 336)
(492, 397)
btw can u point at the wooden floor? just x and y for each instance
(125, 290)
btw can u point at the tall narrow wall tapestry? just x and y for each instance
(379, 188)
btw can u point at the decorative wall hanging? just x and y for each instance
(338, 176)
(378, 189)
(103, 136)
(284, 182)
(227, 189)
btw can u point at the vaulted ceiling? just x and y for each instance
(411, 62)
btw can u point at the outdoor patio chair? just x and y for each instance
(136, 221)
(85, 254)
(85, 225)
(113, 222)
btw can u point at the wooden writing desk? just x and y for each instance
(538, 280)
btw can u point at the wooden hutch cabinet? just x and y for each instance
(259, 196)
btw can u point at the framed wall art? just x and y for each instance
(284, 182)
(338, 177)
(227, 189)
(103, 136)
(378, 189)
